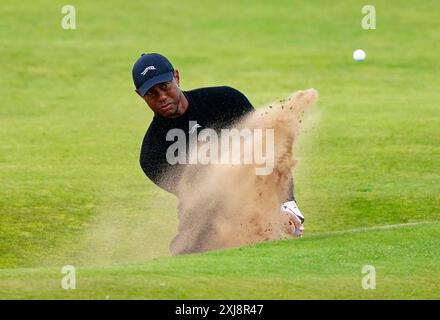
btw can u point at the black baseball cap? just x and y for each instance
(151, 69)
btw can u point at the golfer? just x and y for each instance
(158, 84)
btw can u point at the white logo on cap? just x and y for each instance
(147, 69)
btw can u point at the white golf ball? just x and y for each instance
(359, 55)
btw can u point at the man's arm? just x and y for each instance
(156, 173)
(241, 106)
(239, 103)
(153, 163)
(290, 193)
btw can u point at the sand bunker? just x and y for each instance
(230, 205)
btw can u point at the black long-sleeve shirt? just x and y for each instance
(213, 107)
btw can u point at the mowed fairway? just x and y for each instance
(72, 191)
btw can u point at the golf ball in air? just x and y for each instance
(359, 55)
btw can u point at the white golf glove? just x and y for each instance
(295, 217)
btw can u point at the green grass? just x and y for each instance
(72, 192)
(317, 267)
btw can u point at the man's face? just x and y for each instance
(165, 98)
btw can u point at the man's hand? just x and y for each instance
(295, 218)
